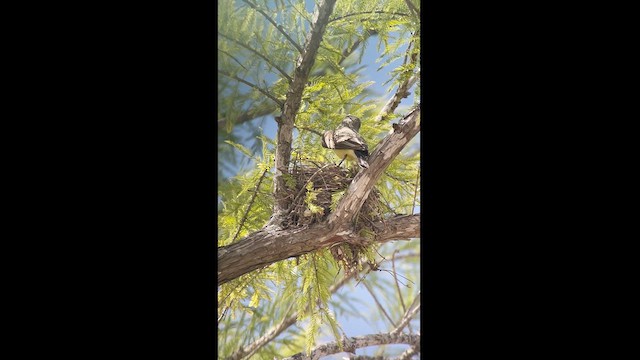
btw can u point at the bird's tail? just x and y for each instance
(362, 158)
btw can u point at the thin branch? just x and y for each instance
(243, 285)
(395, 277)
(402, 276)
(408, 315)
(415, 193)
(413, 9)
(279, 27)
(408, 51)
(284, 73)
(266, 110)
(356, 44)
(308, 129)
(403, 89)
(398, 179)
(288, 321)
(367, 12)
(382, 310)
(356, 342)
(246, 212)
(233, 57)
(254, 86)
(302, 15)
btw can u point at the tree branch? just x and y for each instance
(284, 73)
(379, 160)
(378, 304)
(308, 129)
(399, 227)
(267, 246)
(413, 9)
(252, 85)
(266, 110)
(279, 27)
(395, 278)
(253, 197)
(413, 350)
(251, 349)
(401, 93)
(357, 342)
(367, 12)
(232, 57)
(403, 89)
(415, 192)
(263, 248)
(290, 108)
(348, 51)
(408, 315)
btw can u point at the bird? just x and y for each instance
(346, 142)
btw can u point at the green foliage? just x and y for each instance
(252, 49)
(310, 199)
(314, 295)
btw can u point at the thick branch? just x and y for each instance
(263, 248)
(401, 227)
(401, 93)
(357, 342)
(379, 160)
(267, 246)
(413, 350)
(292, 105)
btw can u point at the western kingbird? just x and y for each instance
(346, 142)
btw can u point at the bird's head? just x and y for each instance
(351, 121)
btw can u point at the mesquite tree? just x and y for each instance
(297, 233)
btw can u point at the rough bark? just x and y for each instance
(291, 106)
(401, 93)
(357, 342)
(267, 246)
(264, 248)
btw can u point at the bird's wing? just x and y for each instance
(327, 140)
(346, 138)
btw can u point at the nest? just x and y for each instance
(315, 188)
